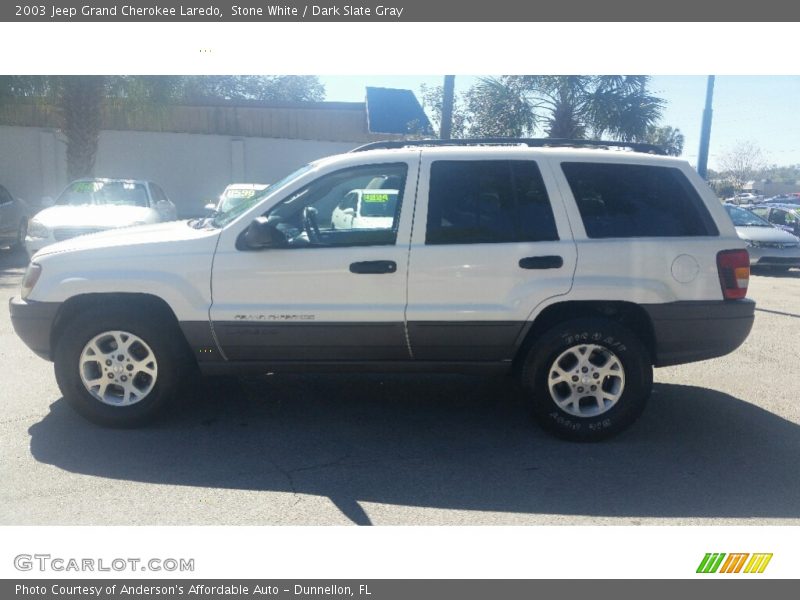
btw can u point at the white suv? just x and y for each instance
(580, 268)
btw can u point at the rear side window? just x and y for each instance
(477, 202)
(620, 201)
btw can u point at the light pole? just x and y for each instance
(705, 131)
(447, 107)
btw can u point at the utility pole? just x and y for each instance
(705, 131)
(447, 107)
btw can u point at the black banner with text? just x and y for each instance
(399, 11)
(389, 589)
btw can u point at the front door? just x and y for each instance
(328, 293)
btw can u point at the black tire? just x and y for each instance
(22, 231)
(160, 333)
(609, 336)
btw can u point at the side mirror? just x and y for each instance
(263, 232)
(350, 212)
(210, 207)
(47, 202)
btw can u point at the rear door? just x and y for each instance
(491, 241)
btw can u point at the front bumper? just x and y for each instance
(33, 322)
(690, 331)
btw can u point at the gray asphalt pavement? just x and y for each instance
(718, 444)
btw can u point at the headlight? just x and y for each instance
(30, 279)
(37, 230)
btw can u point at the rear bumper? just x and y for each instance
(33, 322)
(690, 331)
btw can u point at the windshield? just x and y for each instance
(229, 211)
(235, 195)
(744, 218)
(115, 193)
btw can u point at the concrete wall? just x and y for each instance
(191, 168)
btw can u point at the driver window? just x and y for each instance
(778, 217)
(327, 213)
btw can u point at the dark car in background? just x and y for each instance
(784, 199)
(14, 215)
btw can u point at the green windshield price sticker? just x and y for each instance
(375, 197)
(86, 187)
(241, 193)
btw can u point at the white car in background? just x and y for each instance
(745, 198)
(366, 209)
(92, 205)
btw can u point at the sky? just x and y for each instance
(760, 109)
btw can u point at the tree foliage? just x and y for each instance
(179, 88)
(669, 138)
(79, 99)
(266, 88)
(617, 107)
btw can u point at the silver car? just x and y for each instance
(92, 205)
(768, 246)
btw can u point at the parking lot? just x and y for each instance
(718, 444)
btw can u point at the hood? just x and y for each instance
(93, 215)
(766, 234)
(141, 235)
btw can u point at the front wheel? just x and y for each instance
(118, 369)
(22, 232)
(589, 379)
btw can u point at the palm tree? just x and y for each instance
(81, 101)
(499, 109)
(593, 106)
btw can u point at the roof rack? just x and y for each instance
(530, 142)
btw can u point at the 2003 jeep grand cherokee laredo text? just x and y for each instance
(579, 268)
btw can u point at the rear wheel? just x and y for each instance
(120, 369)
(589, 379)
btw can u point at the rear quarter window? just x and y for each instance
(621, 201)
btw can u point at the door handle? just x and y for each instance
(541, 262)
(373, 267)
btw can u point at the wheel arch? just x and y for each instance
(627, 314)
(152, 306)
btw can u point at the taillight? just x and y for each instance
(734, 273)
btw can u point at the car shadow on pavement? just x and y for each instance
(12, 268)
(776, 274)
(446, 442)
